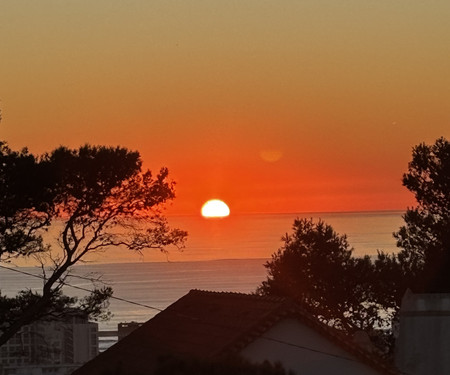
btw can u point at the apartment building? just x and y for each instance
(50, 347)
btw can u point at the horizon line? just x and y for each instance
(299, 212)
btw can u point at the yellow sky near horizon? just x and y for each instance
(339, 91)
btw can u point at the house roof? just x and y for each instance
(205, 324)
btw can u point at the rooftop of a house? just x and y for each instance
(205, 324)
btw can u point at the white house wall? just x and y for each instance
(304, 351)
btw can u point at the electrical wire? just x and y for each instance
(81, 288)
(185, 316)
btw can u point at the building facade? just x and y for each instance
(423, 343)
(50, 347)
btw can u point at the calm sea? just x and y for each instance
(220, 255)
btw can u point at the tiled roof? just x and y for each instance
(206, 324)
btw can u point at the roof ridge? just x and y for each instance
(299, 311)
(210, 323)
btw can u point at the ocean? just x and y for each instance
(220, 255)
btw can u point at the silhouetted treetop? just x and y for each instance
(315, 267)
(99, 197)
(425, 237)
(27, 193)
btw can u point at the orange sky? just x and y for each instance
(337, 91)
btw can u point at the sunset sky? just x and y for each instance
(272, 106)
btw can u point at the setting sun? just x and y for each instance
(215, 208)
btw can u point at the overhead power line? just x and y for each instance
(81, 288)
(282, 342)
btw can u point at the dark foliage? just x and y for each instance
(316, 268)
(233, 365)
(170, 365)
(425, 237)
(26, 202)
(102, 199)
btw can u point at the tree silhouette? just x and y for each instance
(425, 237)
(26, 195)
(101, 198)
(315, 265)
(316, 268)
